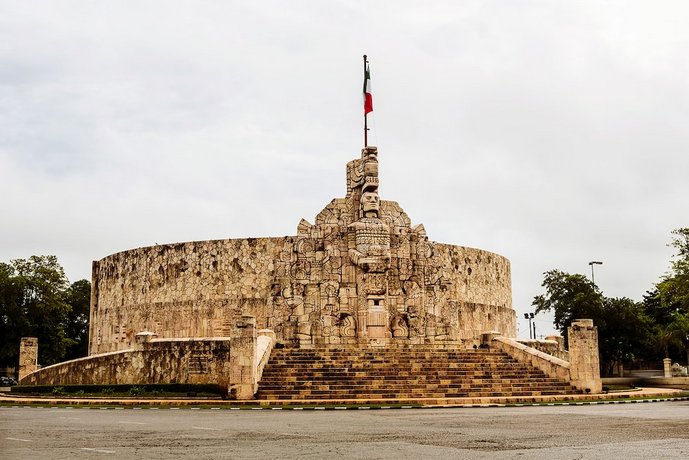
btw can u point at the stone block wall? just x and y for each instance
(195, 289)
(157, 361)
(200, 289)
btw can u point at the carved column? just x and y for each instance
(28, 356)
(242, 356)
(584, 361)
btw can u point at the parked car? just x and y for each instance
(7, 381)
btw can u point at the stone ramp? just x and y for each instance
(366, 374)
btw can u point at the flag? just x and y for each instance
(368, 96)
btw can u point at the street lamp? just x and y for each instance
(530, 317)
(592, 263)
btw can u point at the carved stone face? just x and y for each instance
(370, 203)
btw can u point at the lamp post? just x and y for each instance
(530, 316)
(592, 263)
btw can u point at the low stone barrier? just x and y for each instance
(235, 363)
(264, 346)
(204, 360)
(550, 365)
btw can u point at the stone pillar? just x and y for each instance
(559, 339)
(242, 355)
(28, 356)
(143, 338)
(584, 361)
(667, 368)
(487, 337)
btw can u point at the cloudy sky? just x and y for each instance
(551, 132)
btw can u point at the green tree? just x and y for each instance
(668, 303)
(78, 297)
(674, 334)
(36, 300)
(623, 328)
(624, 332)
(570, 297)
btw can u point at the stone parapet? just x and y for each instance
(550, 346)
(264, 345)
(222, 360)
(550, 365)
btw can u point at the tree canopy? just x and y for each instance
(37, 300)
(622, 324)
(653, 328)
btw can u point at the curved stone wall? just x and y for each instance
(195, 289)
(184, 361)
(200, 289)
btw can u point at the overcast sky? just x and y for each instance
(551, 132)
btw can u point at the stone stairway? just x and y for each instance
(400, 373)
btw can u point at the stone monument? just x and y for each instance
(360, 274)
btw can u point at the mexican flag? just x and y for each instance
(368, 96)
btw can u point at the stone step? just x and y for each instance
(357, 373)
(389, 375)
(406, 378)
(410, 384)
(394, 395)
(419, 391)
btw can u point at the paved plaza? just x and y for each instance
(642, 430)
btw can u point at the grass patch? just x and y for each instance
(161, 390)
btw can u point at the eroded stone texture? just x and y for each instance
(584, 360)
(156, 361)
(28, 356)
(361, 274)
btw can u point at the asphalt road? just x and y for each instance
(630, 431)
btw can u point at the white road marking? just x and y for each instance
(18, 439)
(133, 423)
(101, 451)
(205, 428)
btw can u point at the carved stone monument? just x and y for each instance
(360, 274)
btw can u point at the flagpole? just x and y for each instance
(365, 119)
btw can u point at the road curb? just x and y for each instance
(112, 406)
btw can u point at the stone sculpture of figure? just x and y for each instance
(370, 204)
(370, 248)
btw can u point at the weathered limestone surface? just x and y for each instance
(579, 366)
(552, 345)
(550, 365)
(361, 274)
(158, 361)
(28, 356)
(583, 355)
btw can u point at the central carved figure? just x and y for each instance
(389, 281)
(370, 204)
